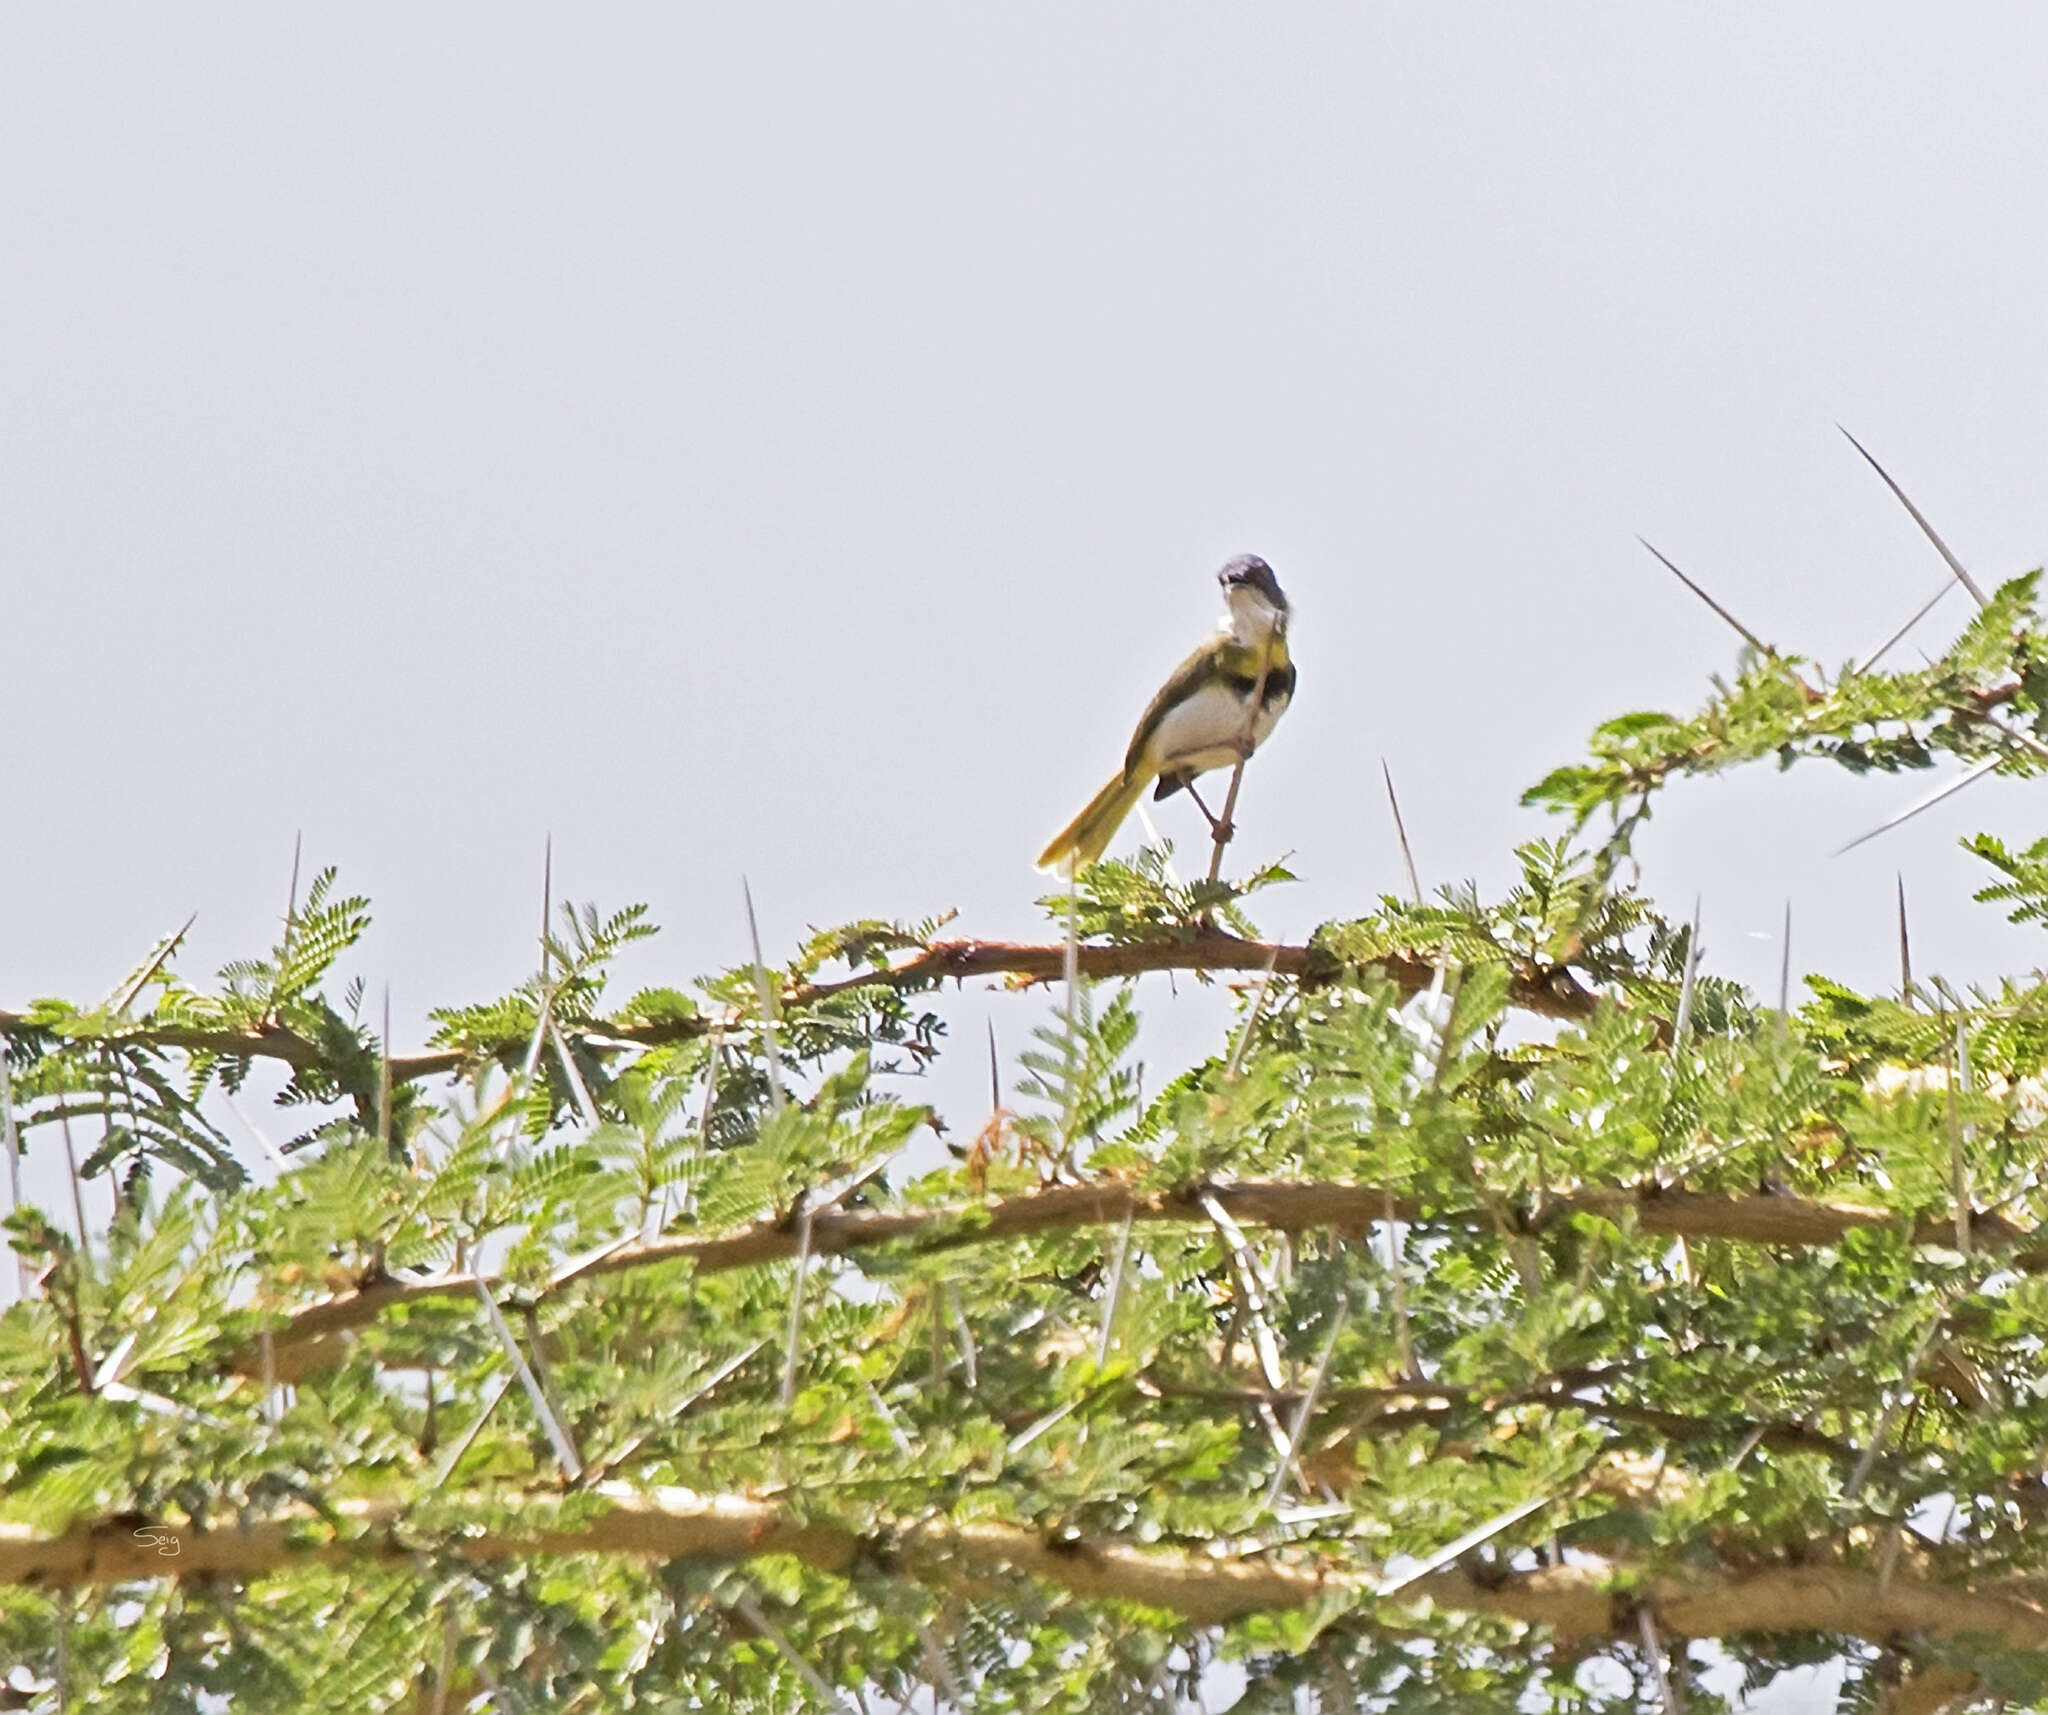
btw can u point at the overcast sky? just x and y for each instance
(795, 440)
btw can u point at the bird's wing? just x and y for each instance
(1200, 665)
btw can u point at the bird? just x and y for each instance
(1204, 716)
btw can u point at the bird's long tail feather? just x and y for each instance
(1087, 836)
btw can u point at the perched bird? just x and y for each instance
(1203, 717)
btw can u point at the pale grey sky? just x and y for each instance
(796, 439)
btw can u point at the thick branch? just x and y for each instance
(1551, 993)
(1578, 1602)
(304, 1342)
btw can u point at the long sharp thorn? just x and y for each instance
(1072, 972)
(1115, 1290)
(1785, 969)
(1653, 1647)
(1692, 971)
(154, 963)
(2025, 740)
(1926, 529)
(543, 1408)
(1961, 1137)
(1251, 1017)
(77, 1196)
(1905, 949)
(1465, 1544)
(970, 1364)
(547, 900)
(1919, 613)
(1748, 636)
(749, 1610)
(12, 1140)
(384, 1078)
(793, 1347)
(995, 1072)
(771, 1052)
(1976, 771)
(1254, 1289)
(584, 1105)
(1401, 829)
(1298, 1431)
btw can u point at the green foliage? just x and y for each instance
(1991, 683)
(1143, 901)
(1514, 1262)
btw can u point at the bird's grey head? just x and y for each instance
(1249, 572)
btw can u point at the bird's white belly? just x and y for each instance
(1204, 731)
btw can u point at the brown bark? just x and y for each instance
(306, 1337)
(1577, 1602)
(1551, 993)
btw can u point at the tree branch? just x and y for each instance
(305, 1341)
(1580, 1601)
(1551, 993)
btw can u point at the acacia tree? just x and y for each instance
(1508, 1314)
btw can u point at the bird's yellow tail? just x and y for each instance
(1087, 836)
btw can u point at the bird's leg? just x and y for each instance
(1222, 828)
(1219, 831)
